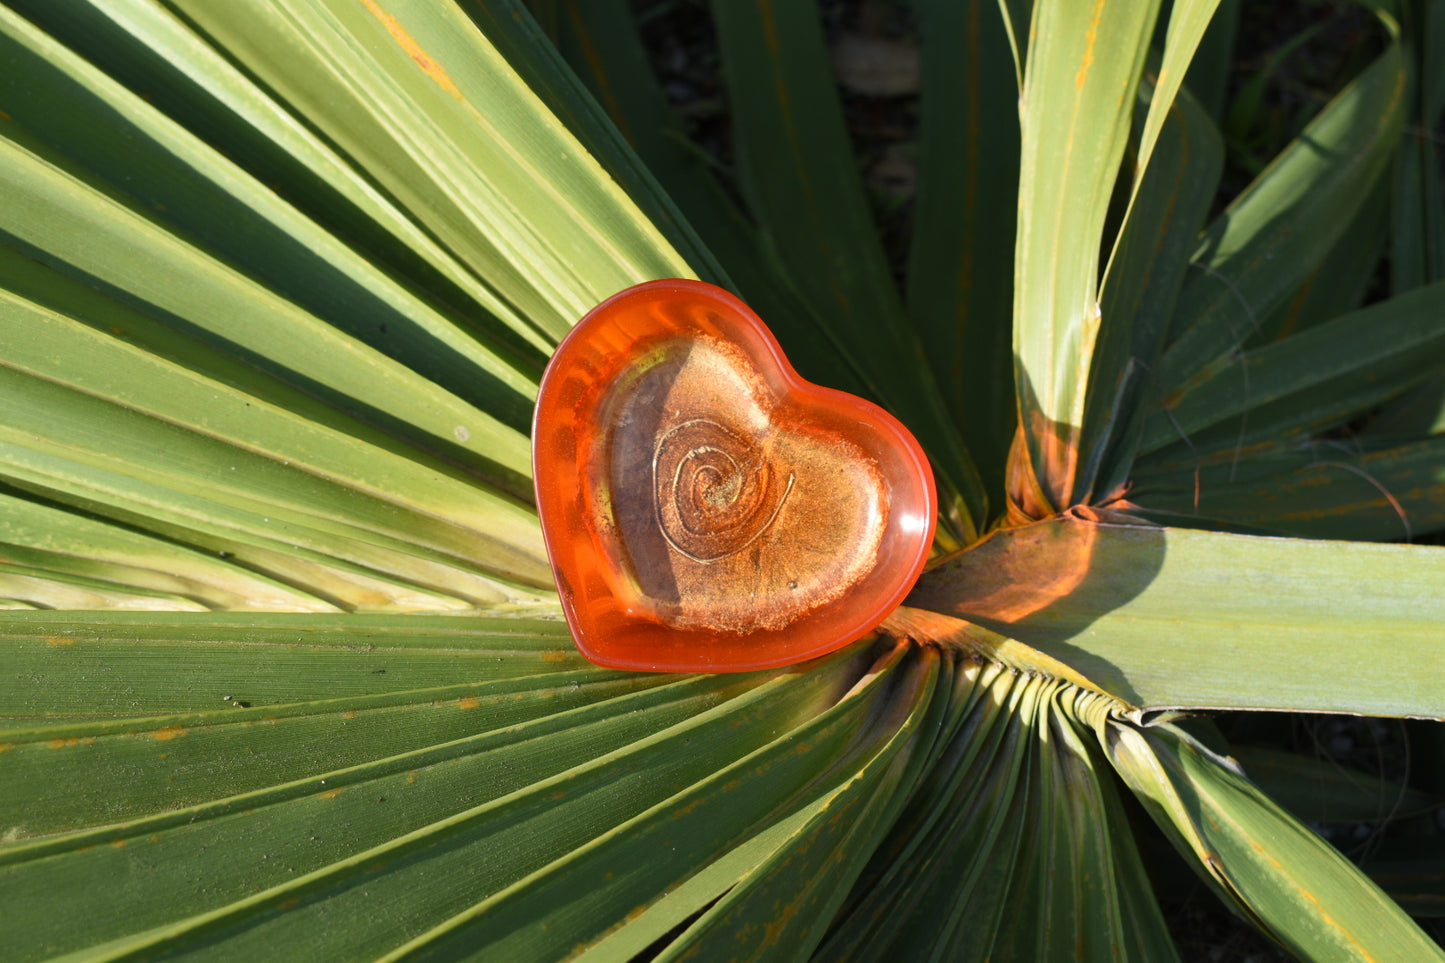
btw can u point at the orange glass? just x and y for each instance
(705, 508)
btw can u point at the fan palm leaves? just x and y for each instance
(284, 675)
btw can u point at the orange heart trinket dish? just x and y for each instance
(705, 508)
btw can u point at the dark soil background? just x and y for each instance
(1289, 59)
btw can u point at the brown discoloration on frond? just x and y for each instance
(1090, 39)
(413, 49)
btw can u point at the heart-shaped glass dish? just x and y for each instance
(704, 507)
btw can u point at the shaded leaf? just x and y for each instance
(1208, 75)
(956, 876)
(960, 259)
(405, 754)
(1274, 234)
(1324, 489)
(1306, 383)
(1341, 280)
(1139, 294)
(602, 44)
(1412, 871)
(1323, 791)
(797, 173)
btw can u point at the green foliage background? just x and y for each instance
(282, 673)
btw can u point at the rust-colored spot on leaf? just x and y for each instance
(6, 745)
(774, 930)
(468, 702)
(331, 793)
(1089, 39)
(59, 640)
(413, 49)
(554, 655)
(64, 743)
(119, 843)
(411, 777)
(288, 903)
(168, 733)
(349, 714)
(153, 838)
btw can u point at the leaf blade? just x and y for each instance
(1172, 617)
(1274, 233)
(959, 283)
(796, 172)
(1289, 882)
(1067, 174)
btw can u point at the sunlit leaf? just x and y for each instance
(1208, 75)
(1172, 617)
(1292, 884)
(1188, 20)
(1083, 69)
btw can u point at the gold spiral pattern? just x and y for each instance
(715, 490)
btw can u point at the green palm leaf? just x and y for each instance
(1297, 887)
(1075, 128)
(282, 674)
(960, 279)
(1173, 617)
(797, 170)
